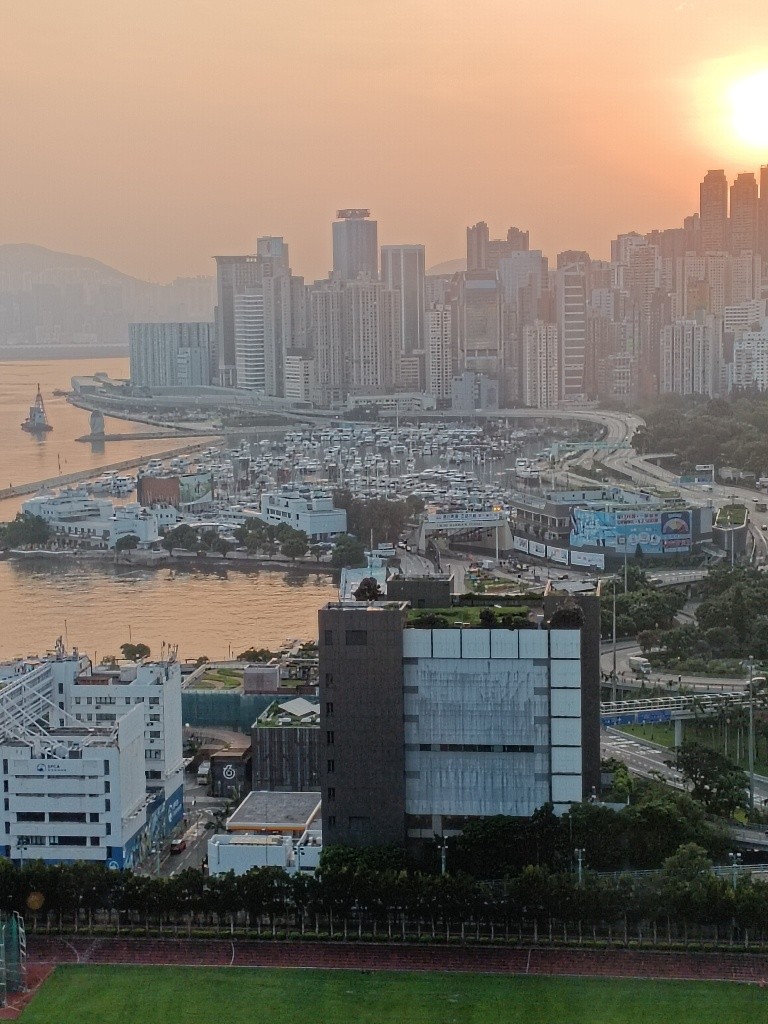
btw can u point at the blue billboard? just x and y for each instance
(622, 530)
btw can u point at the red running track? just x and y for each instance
(45, 951)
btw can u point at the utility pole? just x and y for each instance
(614, 639)
(751, 737)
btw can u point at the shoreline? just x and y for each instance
(168, 561)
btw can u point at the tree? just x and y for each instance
(715, 780)
(182, 536)
(127, 543)
(347, 552)
(296, 546)
(25, 530)
(255, 655)
(488, 619)
(368, 590)
(134, 652)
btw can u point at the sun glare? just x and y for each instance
(749, 108)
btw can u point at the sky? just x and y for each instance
(154, 134)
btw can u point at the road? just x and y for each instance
(649, 761)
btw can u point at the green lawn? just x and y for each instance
(188, 995)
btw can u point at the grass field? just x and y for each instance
(189, 995)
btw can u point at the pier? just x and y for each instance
(94, 471)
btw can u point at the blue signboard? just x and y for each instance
(637, 718)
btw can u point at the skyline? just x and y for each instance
(155, 142)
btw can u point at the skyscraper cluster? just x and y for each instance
(679, 310)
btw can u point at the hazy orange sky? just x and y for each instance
(154, 133)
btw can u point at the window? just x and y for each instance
(77, 817)
(331, 821)
(154, 734)
(154, 700)
(328, 679)
(331, 792)
(109, 829)
(329, 737)
(107, 805)
(357, 638)
(328, 638)
(95, 841)
(93, 816)
(30, 816)
(107, 787)
(106, 767)
(331, 766)
(329, 707)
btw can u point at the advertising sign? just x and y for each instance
(195, 487)
(520, 544)
(619, 530)
(676, 531)
(534, 548)
(558, 555)
(588, 559)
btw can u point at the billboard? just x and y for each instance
(558, 555)
(534, 548)
(676, 535)
(520, 544)
(621, 531)
(195, 487)
(588, 559)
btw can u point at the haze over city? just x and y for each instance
(154, 136)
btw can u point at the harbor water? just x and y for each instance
(98, 606)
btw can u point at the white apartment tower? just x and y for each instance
(541, 380)
(439, 331)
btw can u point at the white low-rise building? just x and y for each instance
(312, 512)
(77, 516)
(106, 743)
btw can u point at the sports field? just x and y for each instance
(189, 995)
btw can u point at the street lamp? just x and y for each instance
(21, 846)
(442, 844)
(735, 859)
(579, 851)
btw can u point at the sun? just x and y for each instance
(749, 108)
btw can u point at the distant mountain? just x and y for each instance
(50, 301)
(448, 267)
(35, 259)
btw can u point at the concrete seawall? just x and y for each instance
(88, 474)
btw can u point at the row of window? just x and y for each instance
(480, 748)
(352, 638)
(113, 700)
(57, 841)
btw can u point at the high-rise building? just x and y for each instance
(762, 216)
(371, 335)
(713, 212)
(691, 353)
(327, 325)
(439, 332)
(425, 730)
(744, 219)
(484, 253)
(355, 245)
(571, 286)
(541, 363)
(402, 270)
(250, 343)
(171, 355)
(480, 309)
(750, 359)
(233, 274)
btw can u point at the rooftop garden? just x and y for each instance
(731, 515)
(469, 616)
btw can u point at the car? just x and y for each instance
(178, 845)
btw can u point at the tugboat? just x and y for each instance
(37, 421)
